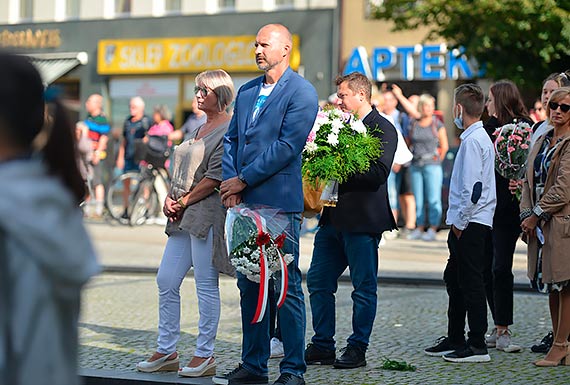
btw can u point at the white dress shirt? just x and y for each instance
(472, 194)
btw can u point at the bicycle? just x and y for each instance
(147, 190)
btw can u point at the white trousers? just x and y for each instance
(182, 252)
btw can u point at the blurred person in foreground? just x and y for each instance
(545, 213)
(472, 200)
(273, 116)
(45, 253)
(504, 106)
(348, 236)
(195, 233)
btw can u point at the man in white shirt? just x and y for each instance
(472, 201)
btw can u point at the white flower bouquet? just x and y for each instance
(338, 146)
(255, 237)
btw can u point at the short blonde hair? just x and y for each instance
(220, 83)
(557, 95)
(424, 99)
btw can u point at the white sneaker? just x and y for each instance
(276, 348)
(415, 235)
(504, 343)
(429, 236)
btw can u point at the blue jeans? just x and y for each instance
(427, 182)
(333, 252)
(394, 190)
(291, 316)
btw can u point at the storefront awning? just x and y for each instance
(52, 66)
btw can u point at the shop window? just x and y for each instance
(26, 10)
(72, 9)
(173, 6)
(227, 5)
(122, 8)
(285, 4)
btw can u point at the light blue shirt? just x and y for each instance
(472, 193)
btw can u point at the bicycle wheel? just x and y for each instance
(144, 204)
(114, 200)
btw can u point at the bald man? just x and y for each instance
(261, 165)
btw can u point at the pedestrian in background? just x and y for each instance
(427, 138)
(195, 233)
(196, 119)
(99, 128)
(135, 128)
(400, 181)
(472, 200)
(504, 105)
(348, 236)
(273, 116)
(45, 253)
(552, 82)
(545, 213)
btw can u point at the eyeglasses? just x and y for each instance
(563, 107)
(203, 90)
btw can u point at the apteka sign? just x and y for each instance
(419, 62)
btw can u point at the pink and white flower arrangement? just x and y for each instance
(512, 145)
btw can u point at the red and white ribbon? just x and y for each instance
(264, 271)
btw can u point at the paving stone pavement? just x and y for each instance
(119, 317)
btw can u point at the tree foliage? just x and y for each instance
(522, 40)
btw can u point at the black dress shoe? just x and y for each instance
(289, 379)
(317, 356)
(239, 376)
(351, 357)
(544, 345)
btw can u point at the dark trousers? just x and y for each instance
(469, 258)
(499, 281)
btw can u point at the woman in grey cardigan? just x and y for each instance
(195, 233)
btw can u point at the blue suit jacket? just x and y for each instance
(266, 152)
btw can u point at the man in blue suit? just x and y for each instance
(273, 116)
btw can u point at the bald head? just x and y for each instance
(272, 50)
(280, 32)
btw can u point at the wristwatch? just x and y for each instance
(241, 178)
(537, 210)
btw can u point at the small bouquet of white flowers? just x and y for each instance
(255, 237)
(338, 147)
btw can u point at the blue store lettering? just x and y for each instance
(419, 62)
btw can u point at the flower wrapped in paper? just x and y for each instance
(255, 237)
(512, 145)
(338, 147)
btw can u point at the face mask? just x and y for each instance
(459, 120)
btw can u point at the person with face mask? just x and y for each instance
(472, 200)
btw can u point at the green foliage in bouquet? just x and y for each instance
(338, 147)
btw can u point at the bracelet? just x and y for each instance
(181, 202)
